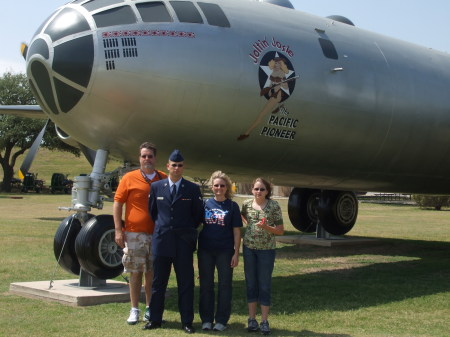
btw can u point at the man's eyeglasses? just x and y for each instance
(176, 165)
(219, 185)
(149, 156)
(262, 189)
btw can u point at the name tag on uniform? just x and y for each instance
(186, 199)
(160, 198)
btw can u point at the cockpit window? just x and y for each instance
(328, 49)
(153, 12)
(42, 25)
(39, 47)
(214, 14)
(97, 4)
(186, 11)
(67, 22)
(115, 16)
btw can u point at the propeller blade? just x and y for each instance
(24, 50)
(32, 153)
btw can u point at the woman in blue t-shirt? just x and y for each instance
(218, 247)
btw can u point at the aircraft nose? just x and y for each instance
(60, 61)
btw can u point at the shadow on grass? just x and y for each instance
(240, 329)
(424, 270)
(307, 333)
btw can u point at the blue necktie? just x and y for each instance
(174, 191)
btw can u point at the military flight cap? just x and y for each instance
(176, 156)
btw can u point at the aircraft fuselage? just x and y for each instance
(324, 104)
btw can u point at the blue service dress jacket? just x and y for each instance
(176, 219)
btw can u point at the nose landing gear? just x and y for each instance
(84, 244)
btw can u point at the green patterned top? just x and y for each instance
(255, 237)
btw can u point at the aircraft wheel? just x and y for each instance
(338, 211)
(67, 231)
(96, 249)
(302, 209)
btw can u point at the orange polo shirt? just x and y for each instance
(133, 191)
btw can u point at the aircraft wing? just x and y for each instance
(29, 111)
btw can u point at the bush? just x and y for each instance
(435, 201)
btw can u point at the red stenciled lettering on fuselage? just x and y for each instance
(260, 45)
(258, 48)
(283, 47)
(153, 32)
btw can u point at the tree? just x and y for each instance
(435, 201)
(17, 133)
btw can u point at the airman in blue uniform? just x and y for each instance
(176, 207)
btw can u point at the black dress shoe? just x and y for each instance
(152, 325)
(188, 328)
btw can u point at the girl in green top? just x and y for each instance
(264, 220)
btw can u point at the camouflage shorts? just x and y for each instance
(137, 252)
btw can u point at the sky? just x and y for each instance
(422, 22)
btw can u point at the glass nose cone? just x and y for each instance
(60, 61)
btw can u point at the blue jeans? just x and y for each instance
(258, 268)
(207, 262)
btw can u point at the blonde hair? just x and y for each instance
(224, 177)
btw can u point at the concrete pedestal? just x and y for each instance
(68, 292)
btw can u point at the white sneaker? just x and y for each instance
(206, 326)
(219, 327)
(134, 316)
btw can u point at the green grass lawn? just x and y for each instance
(397, 286)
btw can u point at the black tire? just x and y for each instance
(68, 228)
(96, 249)
(302, 209)
(338, 211)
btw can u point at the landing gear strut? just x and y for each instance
(84, 244)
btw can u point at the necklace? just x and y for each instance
(146, 178)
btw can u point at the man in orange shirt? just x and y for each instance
(135, 235)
